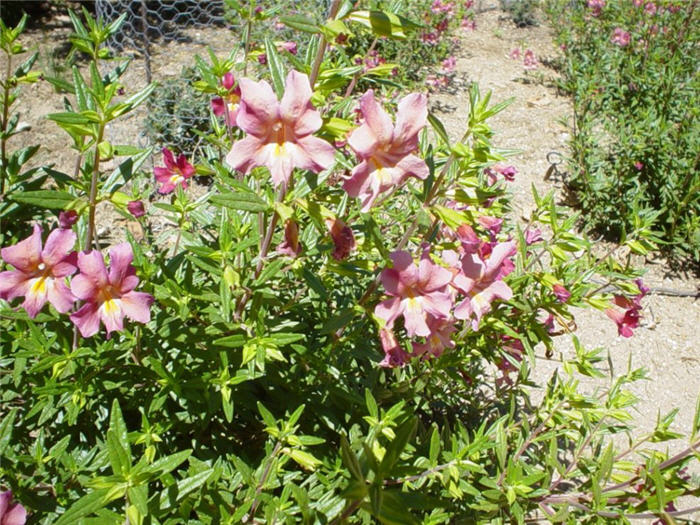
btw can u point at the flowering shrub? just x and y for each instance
(631, 70)
(341, 329)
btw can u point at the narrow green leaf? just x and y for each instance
(350, 459)
(274, 63)
(52, 199)
(6, 426)
(174, 493)
(240, 201)
(300, 23)
(85, 506)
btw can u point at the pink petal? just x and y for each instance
(87, 318)
(169, 159)
(13, 284)
(414, 319)
(120, 258)
(137, 306)
(162, 174)
(388, 310)
(377, 119)
(358, 182)
(314, 154)
(26, 254)
(438, 304)
(67, 266)
(295, 106)
(35, 295)
(58, 244)
(16, 515)
(5, 498)
(259, 107)
(363, 141)
(186, 169)
(84, 288)
(228, 80)
(432, 276)
(500, 252)
(112, 315)
(415, 166)
(280, 166)
(166, 187)
(243, 153)
(463, 310)
(60, 296)
(499, 289)
(92, 266)
(410, 119)
(218, 105)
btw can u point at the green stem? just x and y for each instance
(323, 45)
(5, 117)
(93, 190)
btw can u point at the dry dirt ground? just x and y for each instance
(535, 124)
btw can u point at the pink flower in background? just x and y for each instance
(625, 313)
(620, 37)
(448, 65)
(385, 150)
(532, 236)
(11, 513)
(66, 219)
(596, 6)
(394, 354)
(429, 38)
(291, 246)
(479, 277)
(40, 273)
(508, 172)
(650, 8)
(228, 104)
(492, 224)
(468, 24)
(515, 54)
(136, 208)
(174, 173)
(343, 238)
(561, 293)
(290, 47)
(638, 166)
(279, 132)
(416, 292)
(529, 59)
(262, 59)
(637, 3)
(109, 297)
(440, 337)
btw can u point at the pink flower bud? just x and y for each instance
(136, 208)
(66, 219)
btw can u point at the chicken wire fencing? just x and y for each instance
(162, 37)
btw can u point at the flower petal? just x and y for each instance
(363, 141)
(243, 153)
(313, 154)
(169, 159)
(112, 315)
(13, 283)
(92, 266)
(137, 306)
(58, 245)
(259, 107)
(377, 119)
(15, 515)
(120, 258)
(59, 295)
(87, 319)
(295, 106)
(412, 165)
(162, 174)
(388, 310)
(358, 183)
(26, 254)
(411, 116)
(36, 295)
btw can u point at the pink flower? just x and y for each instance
(174, 173)
(620, 37)
(109, 296)
(448, 65)
(343, 238)
(650, 8)
(11, 513)
(40, 274)
(532, 236)
(469, 25)
(228, 104)
(561, 293)
(262, 59)
(290, 47)
(529, 59)
(416, 292)
(385, 150)
(625, 313)
(394, 354)
(596, 6)
(508, 172)
(279, 132)
(66, 219)
(515, 54)
(291, 246)
(440, 337)
(638, 166)
(492, 224)
(136, 208)
(479, 277)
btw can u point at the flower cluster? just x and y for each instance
(40, 274)
(620, 37)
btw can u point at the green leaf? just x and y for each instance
(85, 506)
(403, 435)
(52, 199)
(241, 201)
(384, 24)
(174, 493)
(267, 416)
(434, 446)
(125, 171)
(306, 460)
(371, 403)
(439, 128)
(168, 463)
(274, 64)
(138, 497)
(6, 426)
(300, 23)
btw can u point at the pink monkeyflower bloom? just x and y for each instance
(480, 279)
(429, 38)
(108, 296)
(415, 291)
(279, 132)
(492, 224)
(620, 37)
(468, 24)
(136, 208)
(291, 246)
(529, 59)
(174, 173)
(508, 172)
(625, 313)
(650, 8)
(40, 273)
(637, 3)
(469, 239)
(448, 65)
(394, 354)
(228, 104)
(596, 6)
(290, 47)
(11, 513)
(638, 166)
(385, 150)
(262, 59)
(515, 54)
(561, 293)
(343, 238)
(440, 337)
(66, 219)
(442, 25)
(532, 236)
